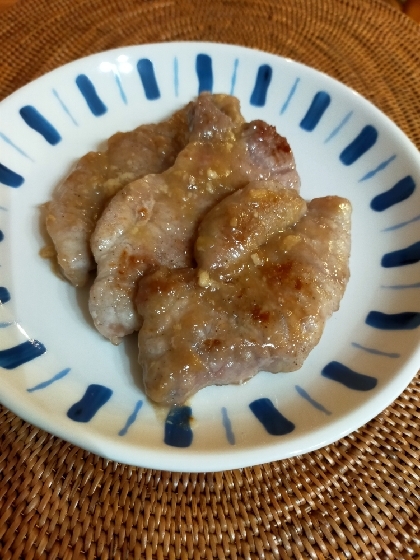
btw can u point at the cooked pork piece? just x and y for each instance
(80, 199)
(243, 221)
(153, 221)
(264, 309)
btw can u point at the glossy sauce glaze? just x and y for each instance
(153, 221)
(263, 311)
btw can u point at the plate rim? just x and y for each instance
(237, 456)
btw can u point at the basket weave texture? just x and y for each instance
(356, 499)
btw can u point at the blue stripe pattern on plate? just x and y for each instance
(4, 295)
(94, 398)
(262, 81)
(14, 146)
(304, 394)
(230, 436)
(407, 320)
(14, 357)
(401, 286)
(40, 124)
(340, 125)
(204, 69)
(402, 190)
(120, 88)
(360, 145)
(176, 77)
(289, 96)
(96, 106)
(402, 224)
(148, 79)
(273, 421)
(177, 429)
(402, 257)
(383, 165)
(10, 178)
(131, 419)
(319, 105)
(375, 351)
(49, 382)
(233, 80)
(64, 107)
(178, 432)
(349, 378)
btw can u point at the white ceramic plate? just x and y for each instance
(58, 373)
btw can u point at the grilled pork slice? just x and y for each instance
(152, 222)
(79, 200)
(261, 308)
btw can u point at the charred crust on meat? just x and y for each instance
(263, 132)
(277, 273)
(211, 343)
(259, 315)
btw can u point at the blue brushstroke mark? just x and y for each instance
(1, 235)
(290, 96)
(402, 224)
(228, 426)
(262, 82)
(310, 400)
(233, 80)
(94, 398)
(349, 378)
(13, 145)
(10, 178)
(399, 192)
(96, 106)
(148, 79)
(407, 320)
(6, 324)
(47, 383)
(37, 122)
(318, 106)
(176, 76)
(64, 107)
(178, 432)
(203, 67)
(376, 352)
(131, 419)
(402, 286)
(360, 145)
(4, 295)
(120, 88)
(402, 257)
(380, 167)
(272, 420)
(338, 127)
(20, 354)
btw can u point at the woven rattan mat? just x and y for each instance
(358, 498)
